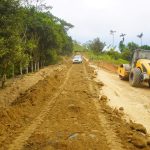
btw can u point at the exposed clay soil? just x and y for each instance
(107, 66)
(65, 111)
(17, 86)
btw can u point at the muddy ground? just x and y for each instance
(107, 66)
(65, 112)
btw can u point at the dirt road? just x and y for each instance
(65, 112)
(135, 101)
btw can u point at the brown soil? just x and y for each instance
(107, 66)
(64, 111)
(16, 87)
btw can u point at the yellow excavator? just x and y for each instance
(139, 69)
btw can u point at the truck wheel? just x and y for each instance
(135, 77)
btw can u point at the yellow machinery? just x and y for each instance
(139, 69)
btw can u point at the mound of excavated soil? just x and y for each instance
(16, 87)
(107, 66)
(25, 108)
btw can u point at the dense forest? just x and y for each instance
(30, 37)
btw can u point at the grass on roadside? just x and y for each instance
(105, 57)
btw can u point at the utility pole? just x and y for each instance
(112, 32)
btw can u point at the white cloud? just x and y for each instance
(94, 18)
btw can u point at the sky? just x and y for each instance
(95, 18)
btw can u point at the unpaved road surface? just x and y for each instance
(65, 112)
(135, 101)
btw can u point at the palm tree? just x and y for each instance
(112, 32)
(140, 37)
(122, 35)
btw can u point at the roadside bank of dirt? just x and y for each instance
(107, 66)
(23, 110)
(18, 86)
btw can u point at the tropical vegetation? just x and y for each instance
(30, 37)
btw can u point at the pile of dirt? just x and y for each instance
(108, 66)
(18, 86)
(25, 108)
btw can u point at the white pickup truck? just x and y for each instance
(77, 59)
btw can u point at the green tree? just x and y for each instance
(145, 47)
(30, 36)
(127, 54)
(114, 54)
(122, 46)
(9, 35)
(132, 46)
(96, 45)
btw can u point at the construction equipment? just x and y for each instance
(139, 69)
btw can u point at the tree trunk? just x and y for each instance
(35, 66)
(20, 69)
(3, 80)
(27, 70)
(41, 64)
(13, 70)
(38, 66)
(32, 66)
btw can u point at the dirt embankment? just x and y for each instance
(67, 111)
(107, 66)
(22, 111)
(16, 87)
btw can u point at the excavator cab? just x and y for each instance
(140, 54)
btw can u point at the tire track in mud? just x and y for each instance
(20, 141)
(114, 143)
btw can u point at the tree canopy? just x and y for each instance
(30, 35)
(96, 45)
